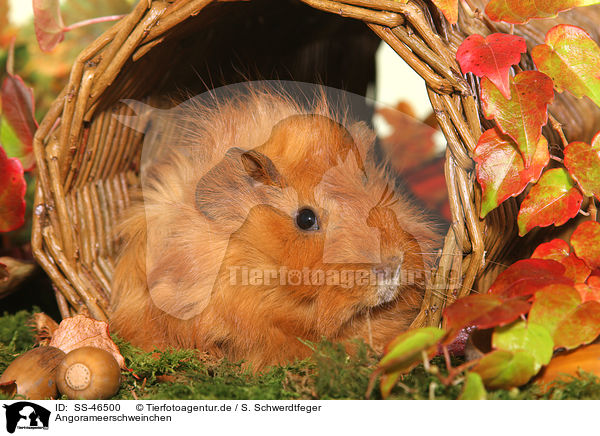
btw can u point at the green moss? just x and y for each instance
(331, 373)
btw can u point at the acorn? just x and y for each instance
(34, 373)
(88, 373)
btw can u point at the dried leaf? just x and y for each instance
(81, 331)
(44, 327)
(519, 12)
(586, 243)
(500, 168)
(553, 200)
(583, 162)
(491, 57)
(12, 193)
(523, 115)
(572, 59)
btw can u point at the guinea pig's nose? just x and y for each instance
(389, 264)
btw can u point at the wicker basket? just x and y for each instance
(88, 162)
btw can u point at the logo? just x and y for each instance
(26, 415)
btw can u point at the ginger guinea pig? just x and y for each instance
(265, 223)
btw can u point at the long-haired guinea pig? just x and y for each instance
(267, 223)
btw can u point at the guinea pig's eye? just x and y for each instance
(307, 219)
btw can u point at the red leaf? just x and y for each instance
(523, 115)
(586, 243)
(519, 12)
(526, 277)
(18, 111)
(449, 8)
(559, 250)
(483, 311)
(589, 291)
(49, 27)
(491, 57)
(583, 163)
(500, 169)
(12, 193)
(553, 200)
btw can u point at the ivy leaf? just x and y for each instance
(523, 115)
(474, 389)
(553, 200)
(449, 8)
(559, 250)
(572, 59)
(12, 193)
(519, 12)
(48, 23)
(502, 369)
(526, 277)
(491, 57)
(500, 169)
(18, 121)
(483, 311)
(590, 290)
(570, 322)
(523, 336)
(580, 327)
(583, 162)
(586, 243)
(405, 352)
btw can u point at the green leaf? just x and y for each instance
(523, 115)
(502, 369)
(553, 200)
(474, 389)
(523, 336)
(387, 383)
(572, 59)
(405, 352)
(583, 162)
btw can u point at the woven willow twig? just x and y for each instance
(87, 161)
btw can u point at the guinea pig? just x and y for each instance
(267, 223)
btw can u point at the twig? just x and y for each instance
(92, 21)
(558, 128)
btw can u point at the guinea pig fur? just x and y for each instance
(268, 223)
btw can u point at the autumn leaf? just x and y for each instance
(590, 290)
(572, 59)
(586, 243)
(583, 162)
(553, 200)
(491, 57)
(449, 8)
(12, 193)
(523, 115)
(559, 250)
(483, 311)
(503, 369)
(519, 12)
(525, 336)
(570, 322)
(526, 277)
(49, 27)
(18, 124)
(81, 331)
(500, 168)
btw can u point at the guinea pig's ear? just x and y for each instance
(262, 169)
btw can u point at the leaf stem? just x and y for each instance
(92, 21)
(558, 128)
